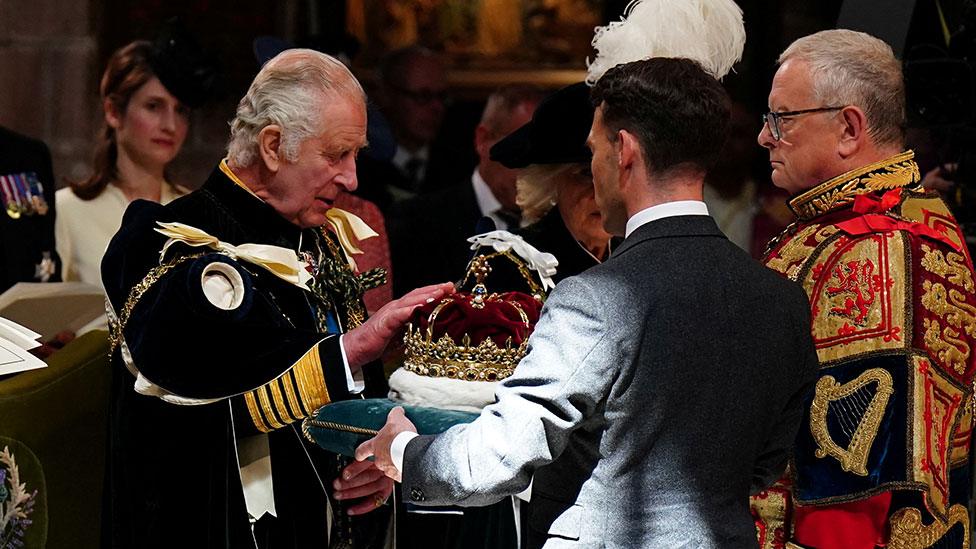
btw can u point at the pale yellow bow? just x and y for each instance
(281, 262)
(349, 226)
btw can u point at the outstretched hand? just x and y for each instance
(379, 446)
(362, 480)
(367, 342)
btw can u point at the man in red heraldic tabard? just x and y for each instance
(882, 456)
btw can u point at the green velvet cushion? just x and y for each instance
(342, 426)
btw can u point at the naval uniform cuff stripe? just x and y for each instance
(288, 388)
(265, 400)
(281, 407)
(311, 380)
(256, 417)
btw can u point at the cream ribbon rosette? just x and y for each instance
(349, 227)
(281, 262)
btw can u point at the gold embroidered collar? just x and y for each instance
(898, 171)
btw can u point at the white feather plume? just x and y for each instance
(708, 31)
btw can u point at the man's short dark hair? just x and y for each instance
(679, 113)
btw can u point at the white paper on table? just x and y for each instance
(14, 359)
(23, 337)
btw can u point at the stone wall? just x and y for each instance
(52, 53)
(47, 87)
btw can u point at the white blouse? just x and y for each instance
(83, 229)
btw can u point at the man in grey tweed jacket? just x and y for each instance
(661, 387)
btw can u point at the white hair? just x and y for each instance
(710, 32)
(287, 92)
(853, 68)
(538, 188)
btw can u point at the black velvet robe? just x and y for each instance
(172, 475)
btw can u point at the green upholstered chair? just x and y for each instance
(53, 425)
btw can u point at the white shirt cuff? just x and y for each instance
(399, 446)
(354, 383)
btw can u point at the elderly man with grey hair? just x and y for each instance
(882, 457)
(238, 312)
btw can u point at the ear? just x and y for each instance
(112, 115)
(269, 145)
(628, 151)
(481, 141)
(854, 130)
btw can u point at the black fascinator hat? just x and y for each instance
(555, 135)
(183, 67)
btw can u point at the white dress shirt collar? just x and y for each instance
(402, 156)
(487, 203)
(668, 209)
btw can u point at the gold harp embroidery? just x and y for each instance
(853, 458)
(908, 532)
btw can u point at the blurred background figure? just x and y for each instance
(412, 94)
(428, 234)
(27, 251)
(147, 91)
(413, 90)
(730, 189)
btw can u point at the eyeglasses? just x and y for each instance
(422, 96)
(771, 119)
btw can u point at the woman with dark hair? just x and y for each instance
(147, 90)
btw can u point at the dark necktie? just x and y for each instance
(412, 170)
(511, 220)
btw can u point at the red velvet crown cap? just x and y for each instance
(500, 318)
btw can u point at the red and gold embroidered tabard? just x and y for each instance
(893, 304)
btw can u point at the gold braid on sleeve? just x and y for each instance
(291, 396)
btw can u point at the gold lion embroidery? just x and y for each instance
(949, 349)
(789, 258)
(908, 532)
(951, 266)
(769, 512)
(960, 317)
(854, 282)
(828, 391)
